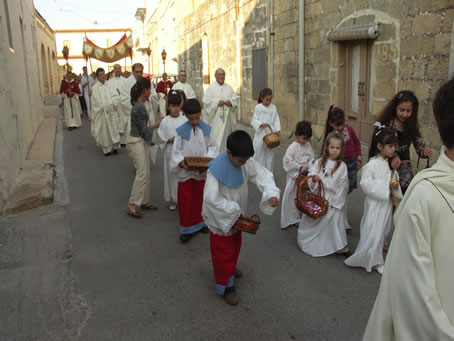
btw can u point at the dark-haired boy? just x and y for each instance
(225, 199)
(193, 138)
(415, 300)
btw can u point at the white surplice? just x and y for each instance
(167, 130)
(187, 89)
(263, 114)
(221, 118)
(105, 127)
(415, 300)
(326, 235)
(197, 145)
(222, 205)
(298, 157)
(377, 214)
(72, 111)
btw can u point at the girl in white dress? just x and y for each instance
(326, 235)
(376, 184)
(298, 158)
(166, 133)
(265, 116)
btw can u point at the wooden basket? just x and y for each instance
(247, 224)
(311, 204)
(197, 162)
(272, 139)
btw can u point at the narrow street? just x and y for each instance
(139, 282)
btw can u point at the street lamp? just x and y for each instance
(164, 55)
(148, 54)
(65, 52)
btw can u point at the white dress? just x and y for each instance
(297, 156)
(263, 114)
(167, 130)
(377, 214)
(326, 235)
(222, 205)
(222, 119)
(415, 300)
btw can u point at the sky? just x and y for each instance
(61, 14)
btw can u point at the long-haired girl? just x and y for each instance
(326, 235)
(265, 116)
(138, 145)
(377, 185)
(401, 116)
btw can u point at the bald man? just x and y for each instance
(219, 103)
(183, 85)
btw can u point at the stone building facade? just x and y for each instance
(356, 54)
(47, 56)
(21, 87)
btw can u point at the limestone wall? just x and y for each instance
(20, 99)
(411, 52)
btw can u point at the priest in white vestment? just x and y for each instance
(105, 127)
(219, 103)
(415, 300)
(183, 85)
(125, 99)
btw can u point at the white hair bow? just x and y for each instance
(379, 125)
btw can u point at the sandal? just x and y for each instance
(134, 213)
(149, 207)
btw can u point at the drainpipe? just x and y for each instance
(238, 55)
(301, 60)
(272, 42)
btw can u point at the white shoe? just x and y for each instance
(380, 269)
(172, 207)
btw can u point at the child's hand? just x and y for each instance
(263, 125)
(156, 126)
(395, 163)
(183, 165)
(171, 139)
(394, 185)
(427, 152)
(316, 178)
(358, 164)
(273, 202)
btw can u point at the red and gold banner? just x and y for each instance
(111, 54)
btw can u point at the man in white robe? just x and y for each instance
(125, 99)
(116, 83)
(182, 85)
(415, 300)
(105, 125)
(219, 103)
(87, 85)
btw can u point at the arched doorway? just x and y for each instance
(44, 70)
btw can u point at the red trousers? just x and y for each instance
(190, 200)
(224, 255)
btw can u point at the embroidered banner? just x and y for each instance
(122, 49)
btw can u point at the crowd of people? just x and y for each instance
(129, 111)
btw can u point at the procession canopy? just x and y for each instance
(111, 54)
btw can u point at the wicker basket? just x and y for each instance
(300, 178)
(197, 162)
(248, 224)
(311, 204)
(271, 139)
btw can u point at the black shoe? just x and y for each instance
(185, 237)
(107, 154)
(204, 230)
(230, 296)
(115, 151)
(70, 128)
(123, 145)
